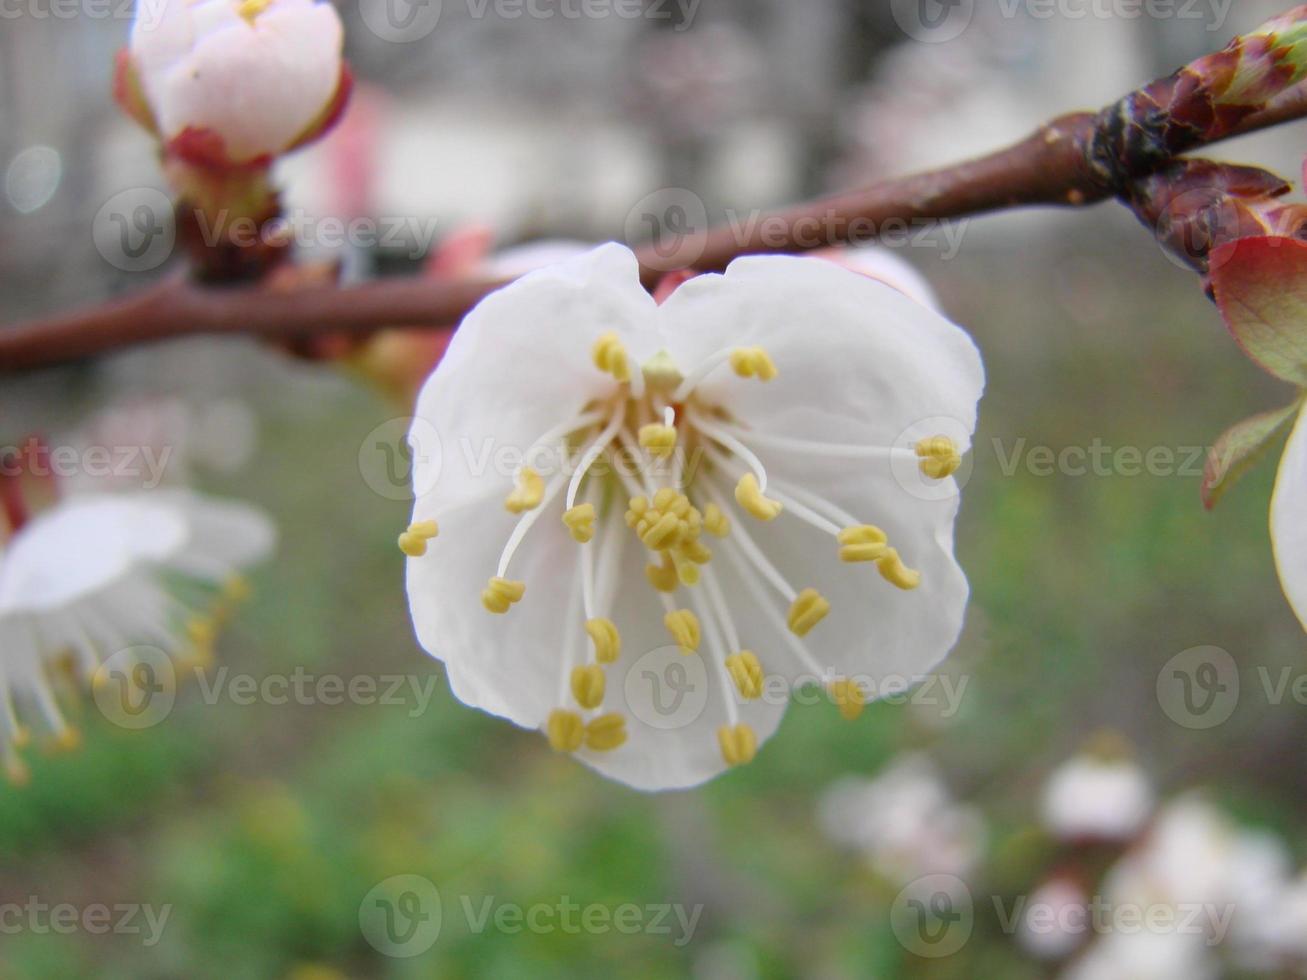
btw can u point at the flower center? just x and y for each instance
(634, 446)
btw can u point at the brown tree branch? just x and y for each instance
(1049, 168)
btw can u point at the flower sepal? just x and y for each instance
(1241, 447)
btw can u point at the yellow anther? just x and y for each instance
(565, 729)
(807, 611)
(500, 594)
(660, 440)
(739, 744)
(250, 9)
(528, 493)
(663, 579)
(413, 542)
(610, 357)
(895, 572)
(66, 739)
(588, 686)
(202, 633)
(939, 457)
(696, 551)
(606, 733)
(746, 671)
(862, 543)
(664, 533)
(580, 520)
(687, 572)
(848, 697)
(237, 588)
(666, 522)
(715, 521)
(753, 362)
(684, 627)
(607, 641)
(749, 496)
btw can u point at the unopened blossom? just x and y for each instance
(904, 822)
(757, 473)
(98, 574)
(1099, 796)
(228, 83)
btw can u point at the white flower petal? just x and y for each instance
(1289, 520)
(81, 547)
(859, 361)
(881, 263)
(518, 365)
(508, 665)
(223, 536)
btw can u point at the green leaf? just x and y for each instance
(1241, 446)
(1261, 290)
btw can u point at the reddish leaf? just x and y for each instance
(1261, 289)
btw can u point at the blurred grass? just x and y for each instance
(264, 826)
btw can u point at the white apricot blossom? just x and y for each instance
(905, 822)
(99, 574)
(1097, 796)
(236, 81)
(757, 474)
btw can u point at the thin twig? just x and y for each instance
(1048, 168)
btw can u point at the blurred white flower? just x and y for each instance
(904, 822)
(571, 363)
(1219, 883)
(1144, 955)
(1090, 797)
(1056, 920)
(98, 574)
(234, 82)
(1285, 928)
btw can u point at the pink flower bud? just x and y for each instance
(233, 83)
